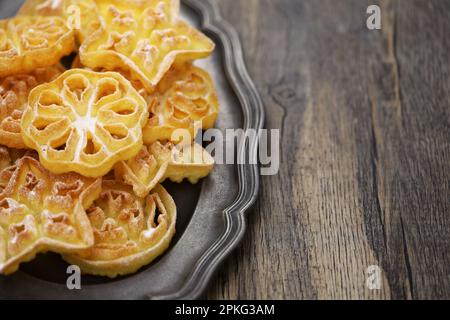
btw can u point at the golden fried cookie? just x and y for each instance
(27, 43)
(129, 231)
(144, 37)
(137, 84)
(40, 211)
(14, 92)
(143, 172)
(84, 121)
(8, 156)
(5, 176)
(5, 158)
(41, 8)
(76, 63)
(83, 11)
(190, 162)
(87, 13)
(160, 161)
(184, 97)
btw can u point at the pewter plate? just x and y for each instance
(211, 214)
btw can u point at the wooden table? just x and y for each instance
(365, 154)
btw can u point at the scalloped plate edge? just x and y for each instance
(253, 113)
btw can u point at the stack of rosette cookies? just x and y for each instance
(83, 152)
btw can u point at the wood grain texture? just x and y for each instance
(365, 175)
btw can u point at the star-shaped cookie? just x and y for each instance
(40, 211)
(144, 37)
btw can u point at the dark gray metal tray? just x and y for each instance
(211, 215)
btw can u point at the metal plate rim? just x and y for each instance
(192, 282)
(253, 113)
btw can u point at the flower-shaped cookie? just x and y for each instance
(40, 211)
(14, 92)
(27, 43)
(158, 162)
(76, 63)
(145, 37)
(84, 122)
(81, 15)
(129, 231)
(184, 99)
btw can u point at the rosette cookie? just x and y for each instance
(27, 43)
(184, 99)
(159, 162)
(129, 231)
(84, 122)
(14, 91)
(40, 211)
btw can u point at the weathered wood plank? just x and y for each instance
(365, 147)
(412, 138)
